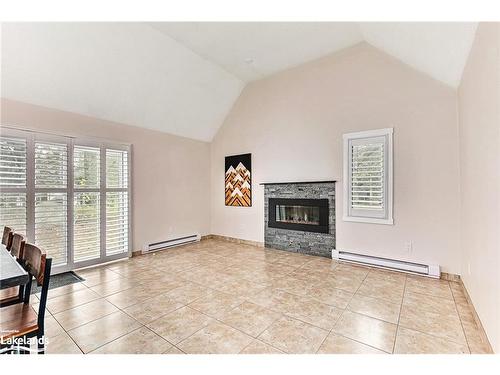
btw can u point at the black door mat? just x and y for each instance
(58, 280)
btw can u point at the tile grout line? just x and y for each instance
(59, 324)
(140, 323)
(431, 334)
(344, 310)
(429, 295)
(117, 338)
(399, 316)
(220, 321)
(161, 337)
(119, 310)
(81, 325)
(145, 325)
(459, 317)
(361, 342)
(265, 343)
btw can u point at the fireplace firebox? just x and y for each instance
(309, 215)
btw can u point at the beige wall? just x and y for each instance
(170, 178)
(293, 122)
(479, 127)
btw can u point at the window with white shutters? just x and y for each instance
(86, 161)
(116, 169)
(13, 156)
(51, 225)
(51, 165)
(68, 196)
(87, 212)
(116, 202)
(116, 222)
(87, 226)
(51, 199)
(368, 176)
(12, 163)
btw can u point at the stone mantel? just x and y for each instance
(298, 182)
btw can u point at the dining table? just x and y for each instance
(11, 272)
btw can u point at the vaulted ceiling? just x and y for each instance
(254, 50)
(183, 78)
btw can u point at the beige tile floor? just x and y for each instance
(222, 297)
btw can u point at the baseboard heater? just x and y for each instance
(166, 244)
(391, 264)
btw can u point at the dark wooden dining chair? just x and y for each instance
(13, 295)
(17, 246)
(7, 236)
(21, 320)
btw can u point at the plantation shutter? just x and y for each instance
(13, 191)
(87, 212)
(86, 162)
(367, 187)
(51, 165)
(116, 202)
(367, 178)
(51, 199)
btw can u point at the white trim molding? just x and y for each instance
(384, 214)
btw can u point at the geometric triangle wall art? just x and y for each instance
(238, 180)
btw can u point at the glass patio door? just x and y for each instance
(68, 196)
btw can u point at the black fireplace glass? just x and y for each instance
(309, 215)
(297, 214)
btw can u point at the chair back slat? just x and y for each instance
(9, 241)
(17, 246)
(34, 261)
(6, 237)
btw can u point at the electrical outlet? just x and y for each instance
(408, 247)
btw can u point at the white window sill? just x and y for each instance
(369, 220)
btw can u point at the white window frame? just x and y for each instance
(31, 137)
(363, 216)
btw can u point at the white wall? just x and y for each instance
(479, 125)
(293, 122)
(170, 178)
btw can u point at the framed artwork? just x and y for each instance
(239, 180)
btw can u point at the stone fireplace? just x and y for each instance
(300, 217)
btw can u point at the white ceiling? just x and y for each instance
(254, 50)
(439, 49)
(270, 46)
(182, 78)
(123, 72)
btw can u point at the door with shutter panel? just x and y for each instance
(69, 196)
